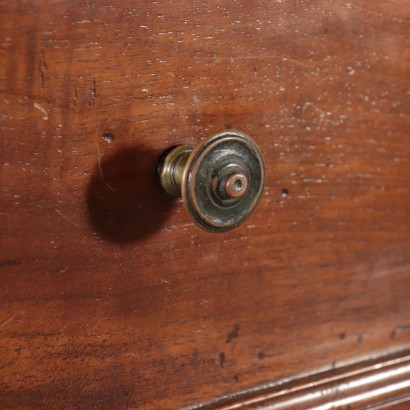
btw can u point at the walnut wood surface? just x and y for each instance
(110, 297)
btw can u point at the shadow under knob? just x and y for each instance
(221, 180)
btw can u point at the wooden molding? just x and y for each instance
(378, 383)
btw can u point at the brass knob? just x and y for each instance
(220, 180)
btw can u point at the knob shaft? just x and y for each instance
(221, 180)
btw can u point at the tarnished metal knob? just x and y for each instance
(220, 180)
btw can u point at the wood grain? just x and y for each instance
(110, 297)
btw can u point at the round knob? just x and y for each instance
(220, 180)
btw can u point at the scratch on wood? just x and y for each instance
(75, 97)
(42, 109)
(255, 57)
(7, 321)
(100, 169)
(295, 62)
(67, 219)
(93, 93)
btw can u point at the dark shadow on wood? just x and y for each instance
(125, 201)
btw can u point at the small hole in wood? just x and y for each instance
(108, 136)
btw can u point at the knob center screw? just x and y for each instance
(236, 185)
